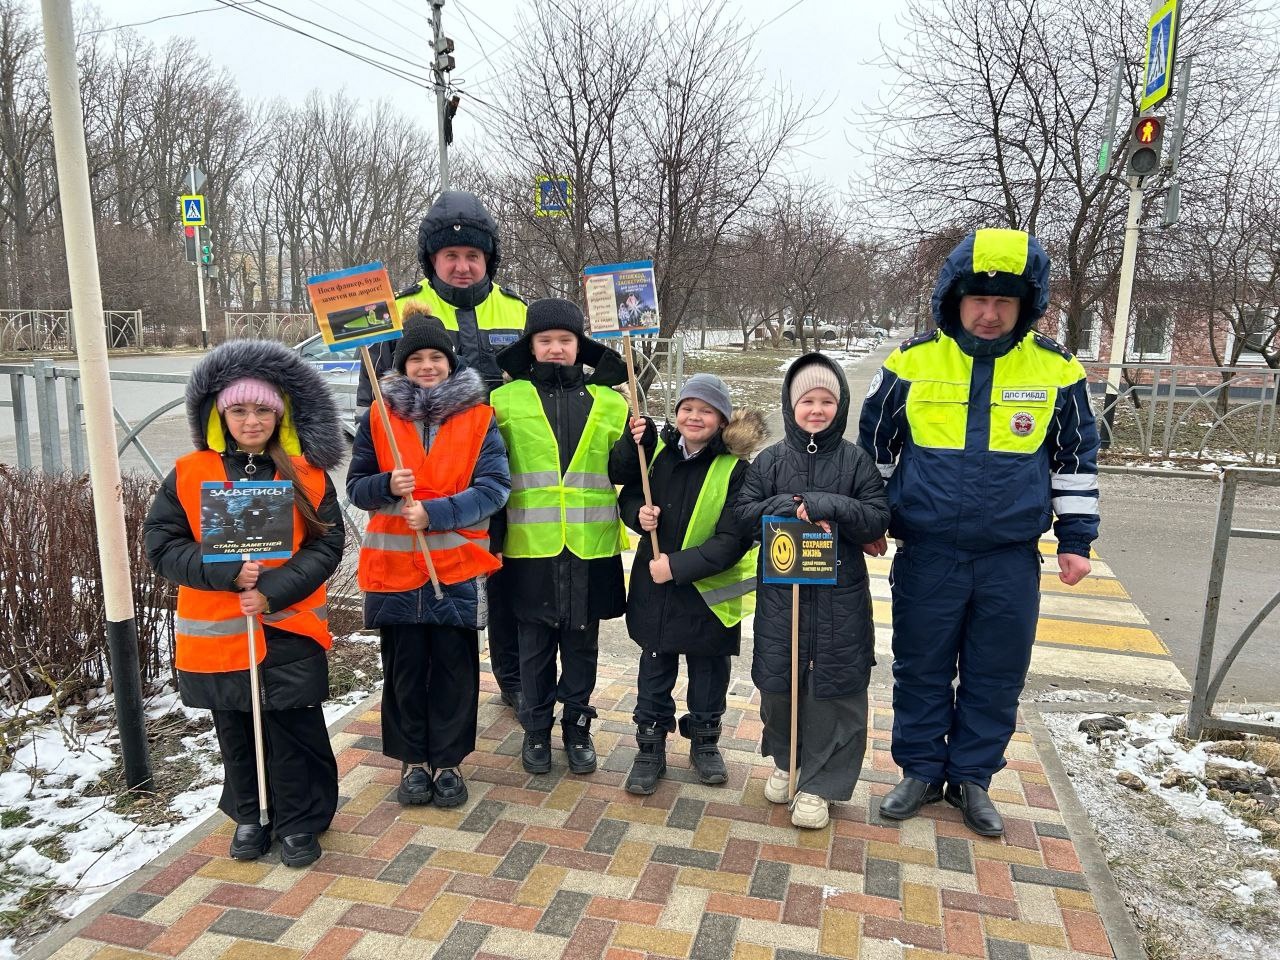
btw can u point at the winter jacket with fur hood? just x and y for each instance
(295, 672)
(464, 604)
(673, 617)
(840, 483)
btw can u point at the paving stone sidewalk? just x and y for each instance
(553, 866)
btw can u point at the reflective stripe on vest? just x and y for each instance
(550, 508)
(390, 559)
(211, 634)
(500, 316)
(729, 594)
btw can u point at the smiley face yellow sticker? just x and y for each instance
(782, 552)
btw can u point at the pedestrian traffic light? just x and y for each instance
(189, 244)
(1145, 140)
(206, 252)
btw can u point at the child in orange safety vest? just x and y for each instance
(258, 411)
(454, 477)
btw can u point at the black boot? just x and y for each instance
(578, 745)
(415, 788)
(651, 761)
(905, 800)
(250, 841)
(703, 752)
(535, 755)
(979, 812)
(299, 850)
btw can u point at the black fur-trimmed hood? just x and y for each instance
(433, 405)
(310, 427)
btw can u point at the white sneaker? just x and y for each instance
(775, 788)
(809, 812)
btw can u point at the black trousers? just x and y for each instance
(708, 685)
(831, 735)
(302, 774)
(430, 693)
(504, 642)
(579, 651)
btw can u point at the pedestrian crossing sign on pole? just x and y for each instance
(1162, 35)
(193, 210)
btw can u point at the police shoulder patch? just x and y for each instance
(409, 291)
(1048, 343)
(917, 340)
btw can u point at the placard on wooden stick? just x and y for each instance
(355, 307)
(246, 520)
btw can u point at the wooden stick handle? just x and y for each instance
(795, 687)
(381, 405)
(255, 694)
(635, 412)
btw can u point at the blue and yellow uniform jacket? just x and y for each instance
(982, 452)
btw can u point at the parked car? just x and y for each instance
(814, 329)
(340, 368)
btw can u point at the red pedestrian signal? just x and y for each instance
(189, 247)
(1145, 139)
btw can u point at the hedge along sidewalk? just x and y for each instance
(565, 866)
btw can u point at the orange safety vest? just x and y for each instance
(212, 634)
(390, 559)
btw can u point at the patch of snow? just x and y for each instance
(1252, 883)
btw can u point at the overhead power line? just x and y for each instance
(167, 16)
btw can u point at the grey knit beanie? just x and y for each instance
(710, 389)
(811, 376)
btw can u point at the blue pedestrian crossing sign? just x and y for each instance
(553, 196)
(1162, 30)
(193, 210)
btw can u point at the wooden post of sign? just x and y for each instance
(635, 412)
(795, 687)
(381, 405)
(255, 695)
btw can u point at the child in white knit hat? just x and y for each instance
(816, 475)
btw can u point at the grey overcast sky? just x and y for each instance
(821, 49)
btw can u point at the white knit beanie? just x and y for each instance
(813, 375)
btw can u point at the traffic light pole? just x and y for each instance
(1120, 332)
(437, 38)
(95, 382)
(204, 323)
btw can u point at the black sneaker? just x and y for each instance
(510, 697)
(578, 745)
(535, 755)
(450, 788)
(651, 761)
(299, 850)
(250, 841)
(415, 788)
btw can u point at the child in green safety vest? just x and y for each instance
(560, 538)
(690, 599)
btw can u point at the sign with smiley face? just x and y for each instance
(798, 552)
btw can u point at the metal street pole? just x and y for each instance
(95, 383)
(1120, 332)
(204, 321)
(437, 37)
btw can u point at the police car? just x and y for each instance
(341, 369)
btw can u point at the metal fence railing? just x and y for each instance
(1193, 412)
(53, 330)
(288, 328)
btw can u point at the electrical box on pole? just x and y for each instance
(444, 51)
(1145, 140)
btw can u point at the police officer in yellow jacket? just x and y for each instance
(983, 430)
(459, 250)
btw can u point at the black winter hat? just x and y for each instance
(421, 332)
(554, 314)
(458, 219)
(996, 283)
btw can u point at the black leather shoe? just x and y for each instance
(905, 800)
(980, 814)
(511, 697)
(535, 755)
(578, 745)
(299, 850)
(415, 788)
(451, 789)
(250, 841)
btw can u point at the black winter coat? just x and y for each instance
(295, 672)
(566, 591)
(673, 617)
(840, 483)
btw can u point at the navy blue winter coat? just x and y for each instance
(369, 488)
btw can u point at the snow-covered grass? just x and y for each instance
(66, 835)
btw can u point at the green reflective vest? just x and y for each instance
(730, 594)
(500, 315)
(552, 507)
